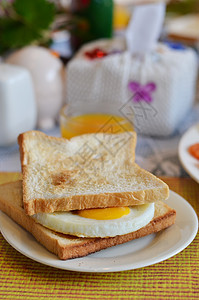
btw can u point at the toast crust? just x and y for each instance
(80, 202)
(52, 196)
(66, 246)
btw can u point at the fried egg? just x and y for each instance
(127, 220)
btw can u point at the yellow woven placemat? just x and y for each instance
(175, 278)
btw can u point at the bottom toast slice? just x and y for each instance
(66, 246)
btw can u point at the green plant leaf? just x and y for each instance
(15, 34)
(35, 13)
(27, 23)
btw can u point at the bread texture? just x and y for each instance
(66, 246)
(88, 171)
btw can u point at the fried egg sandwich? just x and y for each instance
(82, 195)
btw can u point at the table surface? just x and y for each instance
(176, 278)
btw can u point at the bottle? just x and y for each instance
(93, 20)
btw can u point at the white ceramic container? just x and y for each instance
(47, 75)
(18, 112)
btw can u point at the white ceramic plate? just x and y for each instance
(132, 255)
(189, 163)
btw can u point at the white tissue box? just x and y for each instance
(154, 92)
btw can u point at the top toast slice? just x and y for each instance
(88, 171)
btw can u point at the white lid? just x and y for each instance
(9, 72)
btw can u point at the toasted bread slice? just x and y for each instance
(65, 246)
(88, 171)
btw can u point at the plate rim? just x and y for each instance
(117, 268)
(182, 139)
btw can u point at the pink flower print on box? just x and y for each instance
(142, 92)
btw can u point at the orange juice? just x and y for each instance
(92, 123)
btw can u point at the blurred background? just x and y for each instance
(64, 25)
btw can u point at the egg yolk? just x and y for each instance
(104, 213)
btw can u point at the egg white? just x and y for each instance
(70, 223)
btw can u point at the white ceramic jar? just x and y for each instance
(18, 112)
(47, 74)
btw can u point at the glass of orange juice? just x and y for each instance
(76, 124)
